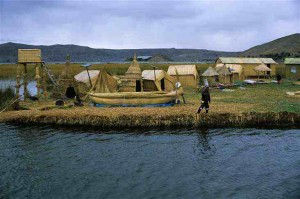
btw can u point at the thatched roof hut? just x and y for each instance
(210, 72)
(102, 82)
(187, 74)
(247, 64)
(292, 66)
(134, 70)
(225, 76)
(157, 80)
(132, 81)
(105, 83)
(210, 75)
(83, 81)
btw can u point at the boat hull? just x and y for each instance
(133, 98)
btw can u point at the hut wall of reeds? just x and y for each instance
(292, 68)
(225, 76)
(186, 74)
(248, 64)
(64, 81)
(157, 80)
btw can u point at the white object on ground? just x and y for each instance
(249, 81)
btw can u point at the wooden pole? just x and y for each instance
(26, 93)
(45, 93)
(37, 78)
(18, 85)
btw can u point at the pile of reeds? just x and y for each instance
(6, 97)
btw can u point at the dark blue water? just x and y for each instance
(48, 162)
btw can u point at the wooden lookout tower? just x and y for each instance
(26, 57)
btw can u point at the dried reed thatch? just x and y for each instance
(29, 56)
(157, 80)
(132, 81)
(186, 74)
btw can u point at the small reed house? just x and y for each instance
(132, 81)
(187, 75)
(292, 68)
(245, 67)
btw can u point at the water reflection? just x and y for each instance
(204, 144)
(31, 87)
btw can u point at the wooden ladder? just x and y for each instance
(50, 73)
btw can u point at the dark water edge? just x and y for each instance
(62, 162)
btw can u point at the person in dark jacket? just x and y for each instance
(278, 77)
(205, 100)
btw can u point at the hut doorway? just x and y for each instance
(162, 84)
(138, 87)
(268, 72)
(70, 92)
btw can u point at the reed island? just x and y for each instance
(244, 93)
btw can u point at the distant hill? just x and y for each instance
(278, 49)
(57, 53)
(160, 58)
(288, 46)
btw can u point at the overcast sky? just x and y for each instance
(214, 25)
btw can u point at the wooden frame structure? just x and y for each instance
(25, 57)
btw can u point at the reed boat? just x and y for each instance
(134, 98)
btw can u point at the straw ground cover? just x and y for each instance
(256, 104)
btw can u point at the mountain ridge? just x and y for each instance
(288, 46)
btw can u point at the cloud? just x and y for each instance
(215, 25)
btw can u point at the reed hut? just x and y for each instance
(105, 83)
(186, 74)
(235, 69)
(83, 80)
(132, 81)
(211, 75)
(157, 80)
(225, 76)
(66, 83)
(292, 67)
(247, 65)
(262, 68)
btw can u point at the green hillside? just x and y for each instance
(288, 46)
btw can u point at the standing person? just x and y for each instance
(278, 77)
(205, 100)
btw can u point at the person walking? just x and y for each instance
(278, 77)
(205, 100)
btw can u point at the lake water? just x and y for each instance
(57, 162)
(31, 87)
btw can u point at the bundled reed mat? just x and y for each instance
(150, 117)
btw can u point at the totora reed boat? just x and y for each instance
(135, 98)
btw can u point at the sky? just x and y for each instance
(224, 25)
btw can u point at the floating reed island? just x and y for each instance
(141, 117)
(244, 106)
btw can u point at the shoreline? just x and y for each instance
(140, 118)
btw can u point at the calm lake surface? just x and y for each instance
(57, 162)
(31, 87)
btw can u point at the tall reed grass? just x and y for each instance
(6, 97)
